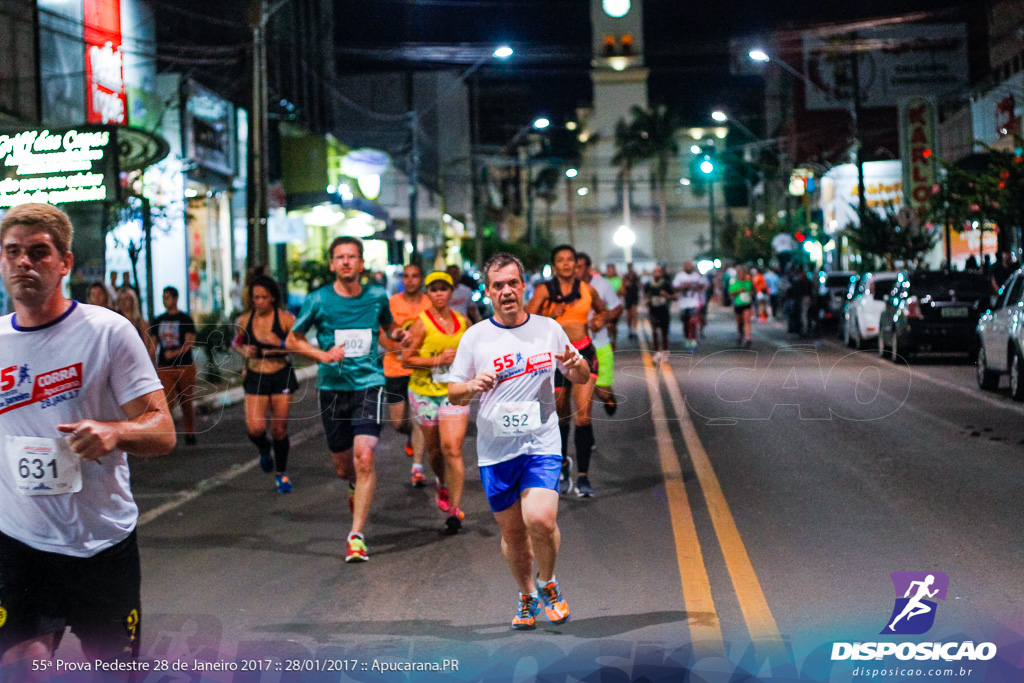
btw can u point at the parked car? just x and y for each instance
(864, 307)
(833, 288)
(933, 310)
(999, 339)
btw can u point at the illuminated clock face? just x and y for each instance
(615, 8)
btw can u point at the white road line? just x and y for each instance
(216, 481)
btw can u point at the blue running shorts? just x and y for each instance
(505, 481)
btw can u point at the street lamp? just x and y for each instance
(625, 238)
(707, 167)
(759, 55)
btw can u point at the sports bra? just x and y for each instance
(577, 302)
(249, 336)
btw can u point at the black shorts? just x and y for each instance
(396, 389)
(283, 381)
(740, 310)
(589, 352)
(659, 317)
(98, 597)
(348, 414)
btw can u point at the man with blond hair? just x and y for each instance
(78, 391)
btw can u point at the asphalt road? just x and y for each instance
(750, 508)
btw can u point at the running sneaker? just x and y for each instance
(454, 522)
(284, 484)
(408, 448)
(583, 487)
(555, 606)
(418, 480)
(351, 497)
(355, 550)
(444, 502)
(565, 478)
(266, 462)
(526, 616)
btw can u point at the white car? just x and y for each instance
(864, 309)
(1000, 333)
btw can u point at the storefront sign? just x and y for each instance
(208, 134)
(58, 166)
(106, 100)
(917, 138)
(904, 60)
(976, 243)
(882, 187)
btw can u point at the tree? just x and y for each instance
(653, 135)
(891, 238)
(545, 186)
(628, 153)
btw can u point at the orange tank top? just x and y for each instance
(577, 302)
(405, 314)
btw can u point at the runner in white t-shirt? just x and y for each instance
(510, 361)
(690, 286)
(77, 391)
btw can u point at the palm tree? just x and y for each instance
(657, 132)
(629, 152)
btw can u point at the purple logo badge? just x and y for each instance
(916, 593)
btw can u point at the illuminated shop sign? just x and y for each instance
(58, 166)
(105, 97)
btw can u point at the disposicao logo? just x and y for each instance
(916, 595)
(913, 614)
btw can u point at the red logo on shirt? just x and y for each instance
(538, 362)
(46, 385)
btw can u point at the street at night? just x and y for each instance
(760, 523)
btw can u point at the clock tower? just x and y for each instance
(618, 71)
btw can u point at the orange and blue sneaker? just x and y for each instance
(351, 497)
(526, 616)
(284, 484)
(418, 480)
(555, 606)
(355, 550)
(454, 522)
(444, 502)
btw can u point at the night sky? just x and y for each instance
(686, 45)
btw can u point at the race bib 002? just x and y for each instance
(355, 342)
(42, 467)
(516, 418)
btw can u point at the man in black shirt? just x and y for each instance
(1002, 270)
(175, 333)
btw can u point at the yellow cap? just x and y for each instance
(439, 276)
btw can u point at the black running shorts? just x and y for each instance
(348, 414)
(43, 593)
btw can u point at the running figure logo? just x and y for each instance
(914, 611)
(23, 375)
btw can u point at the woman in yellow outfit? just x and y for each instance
(435, 336)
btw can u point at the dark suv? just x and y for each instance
(933, 310)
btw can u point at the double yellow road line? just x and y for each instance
(705, 628)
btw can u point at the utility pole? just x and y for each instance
(862, 200)
(414, 184)
(474, 169)
(258, 247)
(711, 216)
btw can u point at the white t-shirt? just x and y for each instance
(694, 298)
(461, 298)
(611, 300)
(523, 359)
(84, 365)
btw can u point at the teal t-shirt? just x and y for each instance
(354, 321)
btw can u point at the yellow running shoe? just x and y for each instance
(356, 550)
